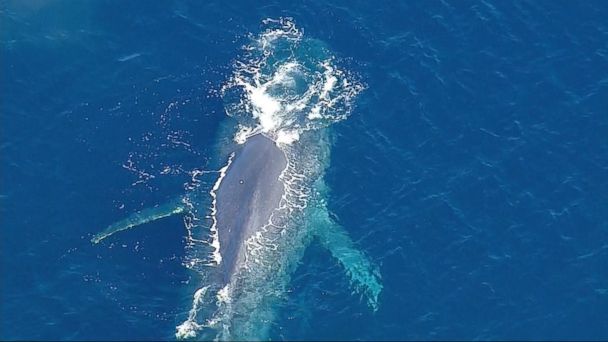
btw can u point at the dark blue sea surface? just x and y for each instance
(473, 169)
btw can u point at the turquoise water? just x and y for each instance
(471, 169)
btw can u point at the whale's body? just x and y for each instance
(247, 196)
(269, 202)
(265, 215)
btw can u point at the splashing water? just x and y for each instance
(285, 85)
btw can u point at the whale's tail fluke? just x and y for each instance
(141, 217)
(364, 276)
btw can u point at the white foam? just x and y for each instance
(330, 80)
(189, 328)
(244, 132)
(215, 243)
(223, 295)
(287, 137)
(265, 107)
(284, 90)
(315, 113)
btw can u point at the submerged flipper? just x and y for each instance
(363, 275)
(141, 217)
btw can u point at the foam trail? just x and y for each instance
(217, 257)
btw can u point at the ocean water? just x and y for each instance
(472, 169)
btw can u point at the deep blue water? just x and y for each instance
(473, 170)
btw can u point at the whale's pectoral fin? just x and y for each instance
(364, 276)
(141, 217)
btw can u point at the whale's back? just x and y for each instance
(247, 196)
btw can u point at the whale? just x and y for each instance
(249, 193)
(269, 202)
